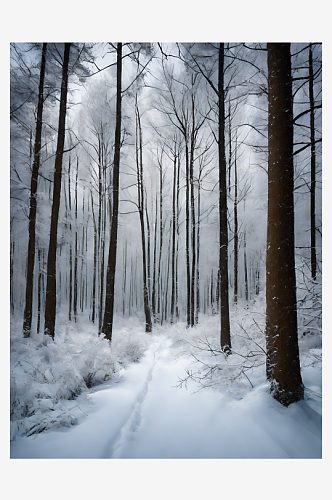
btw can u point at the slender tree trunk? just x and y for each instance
(245, 267)
(124, 278)
(109, 300)
(173, 238)
(167, 274)
(236, 232)
(225, 339)
(12, 253)
(95, 236)
(154, 265)
(39, 289)
(140, 188)
(218, 290)
(188, 234)
(193, 225)
(160, 236)
(212, 308)
(82, 257)
(312, 170)
(282, 364)
(149, 249)
(70, 244)
(257, 281)
(131, 287)
(198, 249)
(102, 265)
(33, 202)
(50, 306)
(177, 240)
(82, 286)
(230, 146)
(76, 247)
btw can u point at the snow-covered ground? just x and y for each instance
(141, 411)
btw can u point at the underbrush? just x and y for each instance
(245, 368)
(47, 375)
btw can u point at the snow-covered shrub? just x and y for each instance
(47, 375)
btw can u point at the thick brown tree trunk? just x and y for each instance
(225, 339)
(33, 202)
(283, 364)
(50, 306)
(110, 280)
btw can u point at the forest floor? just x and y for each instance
(170, 395)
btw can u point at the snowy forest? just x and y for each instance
(166, 250)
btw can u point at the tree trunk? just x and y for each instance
(33, 202)
(188, 236)
(76, 249)
(149, 252)
(160, 237)
(225, 339)
(212, 307)
(12, 252)
(282, 364)
(154, 264)
(245, 267)
(230, 146)
(197, 252)
(124, 279)
(236, 233)
(218, 290)
(50, 307)
(167, 273)
(109, 299)
(70, 244)
(193, 223)
(140, 188)
(177, 240)
(39, 289)
(173, 238)
(102, 265)
(312, 170)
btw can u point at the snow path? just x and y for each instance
(140, 414)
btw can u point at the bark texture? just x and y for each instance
(33, 202)
(225, 339)
(312, 170)
(110, 280)
(283, 365)
(50, 306)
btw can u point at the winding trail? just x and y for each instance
(140, 414)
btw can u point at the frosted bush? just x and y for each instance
(47, 375)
